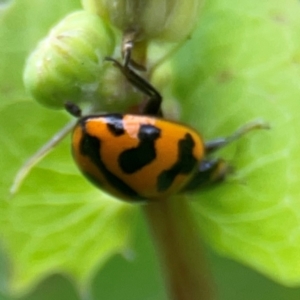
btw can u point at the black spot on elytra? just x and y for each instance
(115, 124)
(185, 163)
(134, 159)
(90, 146)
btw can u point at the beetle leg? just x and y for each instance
(209, 171)
(128, 45)
(151, 106)
(39, 155)
(216, 170)
(218, 143)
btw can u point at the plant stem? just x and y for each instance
(176, 237)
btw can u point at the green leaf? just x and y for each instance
(242, 64)
(58, 221)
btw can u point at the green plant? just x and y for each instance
(241, 63)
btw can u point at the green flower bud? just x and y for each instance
(168, 20)
(69, 63)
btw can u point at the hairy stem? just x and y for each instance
(179, 249)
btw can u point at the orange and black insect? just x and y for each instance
(144, 156)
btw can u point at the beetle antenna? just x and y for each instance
(73, 109)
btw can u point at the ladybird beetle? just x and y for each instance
(145, 157)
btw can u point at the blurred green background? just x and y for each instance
(140, 279)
